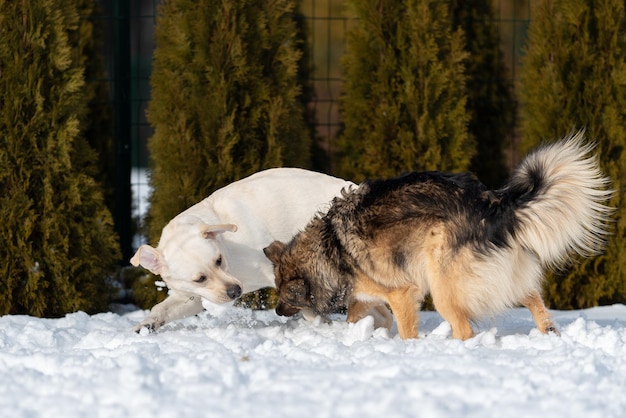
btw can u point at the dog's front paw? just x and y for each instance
(554, 330)
(150, 325)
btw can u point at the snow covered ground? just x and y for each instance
(234, 362)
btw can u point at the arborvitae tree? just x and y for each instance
(404, 106)
(98, 128)
(225, 99)
(573, 76)
(57, 244)
(490, 99)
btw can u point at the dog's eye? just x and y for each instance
(218, 262)
(201, 279)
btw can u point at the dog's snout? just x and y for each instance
(284, 309)
(234, 291)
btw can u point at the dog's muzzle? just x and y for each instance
(234, 291)
(284, 309)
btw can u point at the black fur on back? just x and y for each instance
(337, 241)
(475, 216)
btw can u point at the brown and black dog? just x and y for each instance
(476, 251)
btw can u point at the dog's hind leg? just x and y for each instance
(382, 316)
(534, 303)
(359, 309)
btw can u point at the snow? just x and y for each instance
(140, 190)
(232, 361)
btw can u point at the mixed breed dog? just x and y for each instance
(380, 247)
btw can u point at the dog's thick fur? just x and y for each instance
(213, 250)
(476, 251)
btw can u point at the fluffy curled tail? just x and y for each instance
(559, 195)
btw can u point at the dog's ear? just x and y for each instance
(149, 258)
(211, 231)
(274, 251)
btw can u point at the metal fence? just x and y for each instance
(129, 44)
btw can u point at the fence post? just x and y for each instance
(122, 126)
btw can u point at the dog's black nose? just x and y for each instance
(234, 291)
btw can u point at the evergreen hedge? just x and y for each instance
(574, 76)
(404, 101)
(98, 129)
(225, 99)
(230, 96)
(57, 243)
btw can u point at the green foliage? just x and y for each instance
(265, 298)
(87, 41)
(225, 99)
(574, 75)
(57, 244)
(404, 106)
(490, 98)
(145, 293)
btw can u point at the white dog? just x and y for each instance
(214, 249)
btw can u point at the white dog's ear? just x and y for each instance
(211, 231)
(274, 251)
(149, 258)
